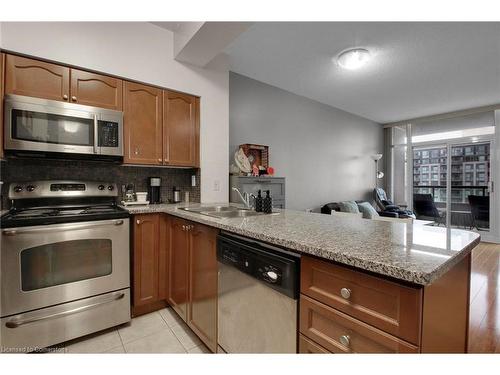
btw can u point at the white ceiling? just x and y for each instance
(417, 69)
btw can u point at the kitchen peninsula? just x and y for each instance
(365, 286)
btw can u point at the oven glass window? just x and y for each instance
(65, 262)
(50, 128)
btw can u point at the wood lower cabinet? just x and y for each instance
(179, 129)
(347, 311)
(142, 124)
(307, 346)
(341, 333)
(149, 270)
(178, 269)
(40, 79)
(202, 311)
(392, 307)
(96, 90)
(146, 248)
(193, 277)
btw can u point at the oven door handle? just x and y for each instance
(59, 228)
(14, 323)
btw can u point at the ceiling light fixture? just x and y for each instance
(353, 58)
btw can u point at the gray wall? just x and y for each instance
(323, 152)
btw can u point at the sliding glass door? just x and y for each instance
(444, 168)
(470, 182)
(430, 166)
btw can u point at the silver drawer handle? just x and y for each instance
(17, 323)
(345, 340)
(58, 228)
(345, 293)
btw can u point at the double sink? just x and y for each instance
(224, 211)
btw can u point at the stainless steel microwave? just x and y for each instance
(48, 126)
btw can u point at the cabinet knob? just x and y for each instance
(183, 227)
(73, 98)
(345, 340)
(160, 160)
(136, 151)
(65, 97)
(345, 293)
(138, 222)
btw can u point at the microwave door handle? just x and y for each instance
(96, 134)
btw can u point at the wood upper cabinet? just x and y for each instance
(202, 314)
(40, 79)
(146, 258)
(96, 90)
(178, 266)
(142, 128)
(180, 124)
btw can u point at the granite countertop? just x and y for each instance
(415, 253)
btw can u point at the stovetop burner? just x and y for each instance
(60, 201)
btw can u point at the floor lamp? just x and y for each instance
(378, 174)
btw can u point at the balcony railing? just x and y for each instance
(477, 188)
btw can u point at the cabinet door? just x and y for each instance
(202, 315)
(2, 70)
(142, 124)
(179, 128)
(178, 267)
(36, 78)
(163, 257)
(146, 247)
(96, 90)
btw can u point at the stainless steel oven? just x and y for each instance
(52, 264)
(48, 126)
(48, 266)
(64, 263)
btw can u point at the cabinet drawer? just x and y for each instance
(392, 307)
(340, 333)
(307, 346)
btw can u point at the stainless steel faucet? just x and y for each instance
(245, 197)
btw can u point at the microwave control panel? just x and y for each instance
(107, 134)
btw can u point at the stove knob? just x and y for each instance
(30, 188)
(101, 187)
(18, 188)
(110, 187)
(272, 275)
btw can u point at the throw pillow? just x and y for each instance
(349, 206)
(367, 210)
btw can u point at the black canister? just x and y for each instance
(267, 203)
(259, 202)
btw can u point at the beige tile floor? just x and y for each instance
(158, 332)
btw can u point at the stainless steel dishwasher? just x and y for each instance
(258, 296)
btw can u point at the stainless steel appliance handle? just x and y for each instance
(96, 135)
(17, 323)
(59, 228)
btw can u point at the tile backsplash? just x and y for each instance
(20, 170)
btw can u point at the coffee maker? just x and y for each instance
(154, 189)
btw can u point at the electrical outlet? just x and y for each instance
(216, 185)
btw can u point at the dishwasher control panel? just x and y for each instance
(278, 270)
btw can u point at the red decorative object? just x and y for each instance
(270, 171)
